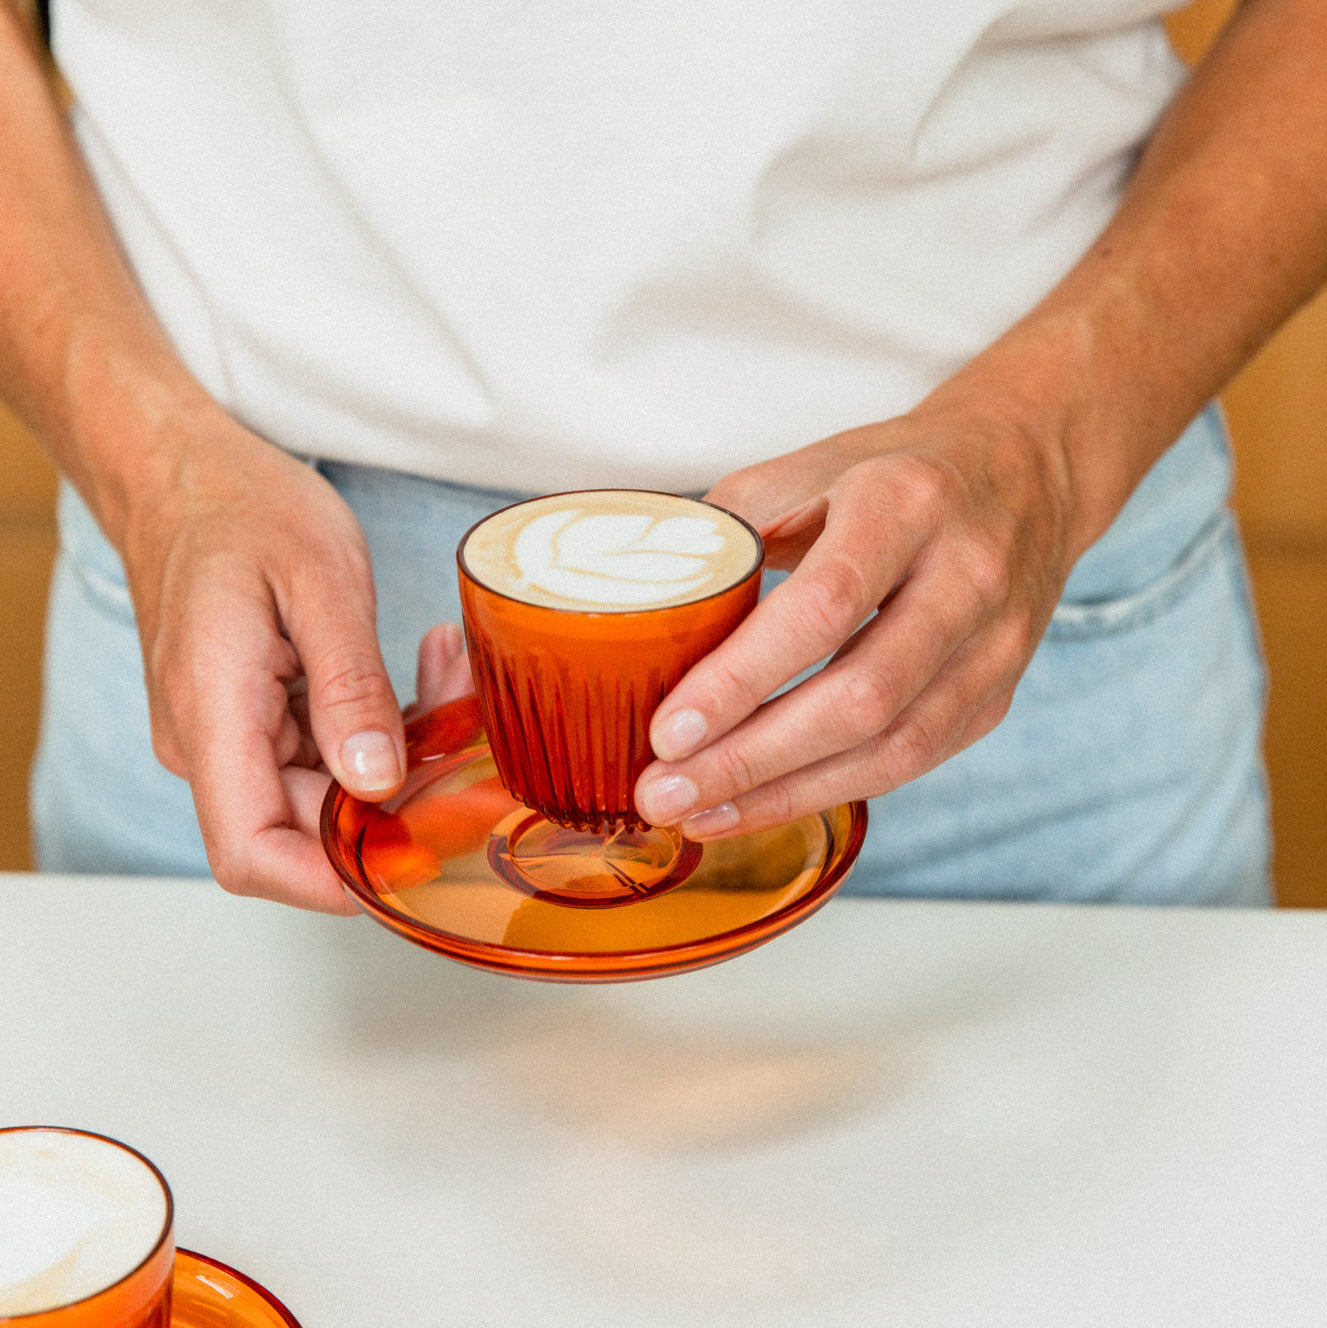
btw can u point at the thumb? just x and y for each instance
(353, 712)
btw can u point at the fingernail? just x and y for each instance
(679, 735)
(711, 822)
(666, 800)
(371, 762)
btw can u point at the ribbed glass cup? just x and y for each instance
(567, 694)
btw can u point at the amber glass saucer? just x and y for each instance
(433, 864)
(208, 1294)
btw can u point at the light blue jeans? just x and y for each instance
(1128, 768)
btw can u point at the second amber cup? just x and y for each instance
(581, 611)
(96, 1246)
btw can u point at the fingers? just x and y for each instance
(265, 839)
(353, 712)
(854, 698)
(295, 745)
(964, 700)
(263, 832)
(840, 583)
(957, 571)
(259, 817)
(258, 805)
(255, 603)
(443, 671)
(287, 863)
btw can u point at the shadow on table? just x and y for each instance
(732, 1057)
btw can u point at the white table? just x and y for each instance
(898, 1114)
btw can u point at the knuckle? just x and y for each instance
(166, 746)
(986, 568)
(778, 807)
(866, 702)
(737, 770)
(835, 600)
(341, 567)
(1014, 641)
(748, 489)
(157, 655)
(989, 716)
(233, 870)
(867, 486)
(350, 681)
(923, 489)
(726, 688)
(168, 752)
(914, 745)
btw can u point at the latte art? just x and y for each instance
(615, 559)
(610, 550)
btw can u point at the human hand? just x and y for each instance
(252, 586)
(928, 554)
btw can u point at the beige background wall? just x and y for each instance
(1278, 412)
(27, 544)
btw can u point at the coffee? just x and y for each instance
(78, 1214)
(610, 551)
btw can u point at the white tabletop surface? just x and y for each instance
(898, 1114)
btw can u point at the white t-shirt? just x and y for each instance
(539, 246)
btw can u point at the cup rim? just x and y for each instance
(167, 1230)
(757, 563)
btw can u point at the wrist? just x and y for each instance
(127, 417)
(1083, 387)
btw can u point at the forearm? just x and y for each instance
(1221, 235)
(83, 360)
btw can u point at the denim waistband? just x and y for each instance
(1173, 511)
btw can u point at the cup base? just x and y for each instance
(585, 869)
(455, 864)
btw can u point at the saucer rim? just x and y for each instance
(181, 1253)
(574, 966)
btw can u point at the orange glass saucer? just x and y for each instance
(433, 864)
(209, 1294)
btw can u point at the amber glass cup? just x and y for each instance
(134, 1297)
(567, 693)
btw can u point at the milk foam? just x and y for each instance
(76, 1215)
(610, 550)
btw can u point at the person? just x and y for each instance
(936, 296)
